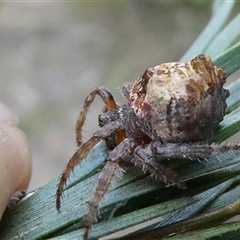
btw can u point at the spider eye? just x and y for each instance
(187, 117)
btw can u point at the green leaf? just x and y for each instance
(218, 19)
(225, 38)
(229, 60)
(229, 126)
(170, 212)
(162, 229)
(226, 231)
(233, 101)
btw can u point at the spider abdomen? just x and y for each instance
(181, 102)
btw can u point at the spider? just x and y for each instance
(171, 111)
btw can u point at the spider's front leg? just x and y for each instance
(77, 157)
(107, 175)
(107, 98)
(81, 153)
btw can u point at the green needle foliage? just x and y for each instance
(213, 185)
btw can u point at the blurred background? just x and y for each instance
(52, 54)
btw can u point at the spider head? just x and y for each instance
(181, 101)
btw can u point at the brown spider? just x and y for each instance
(171, 111)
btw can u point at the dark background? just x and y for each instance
(53, 54)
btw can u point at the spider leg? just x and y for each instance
(108, 173)
(107, 98)
(108, 129)
(81, 153)
(105, 179)
(144, 157)
(176, 150)
(126, 88)
(190, 151)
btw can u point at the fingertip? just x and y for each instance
(15, 163)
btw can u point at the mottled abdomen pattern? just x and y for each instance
(180, 102)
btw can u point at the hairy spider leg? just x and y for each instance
(107, 175)
(81, 153)
(104, 181)
(145, 158)
(126, 88)
(190, 151)
(107, 98)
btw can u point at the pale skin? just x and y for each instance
(15, 160)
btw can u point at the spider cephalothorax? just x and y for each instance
(171, 111)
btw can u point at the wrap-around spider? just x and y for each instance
(171, 111)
